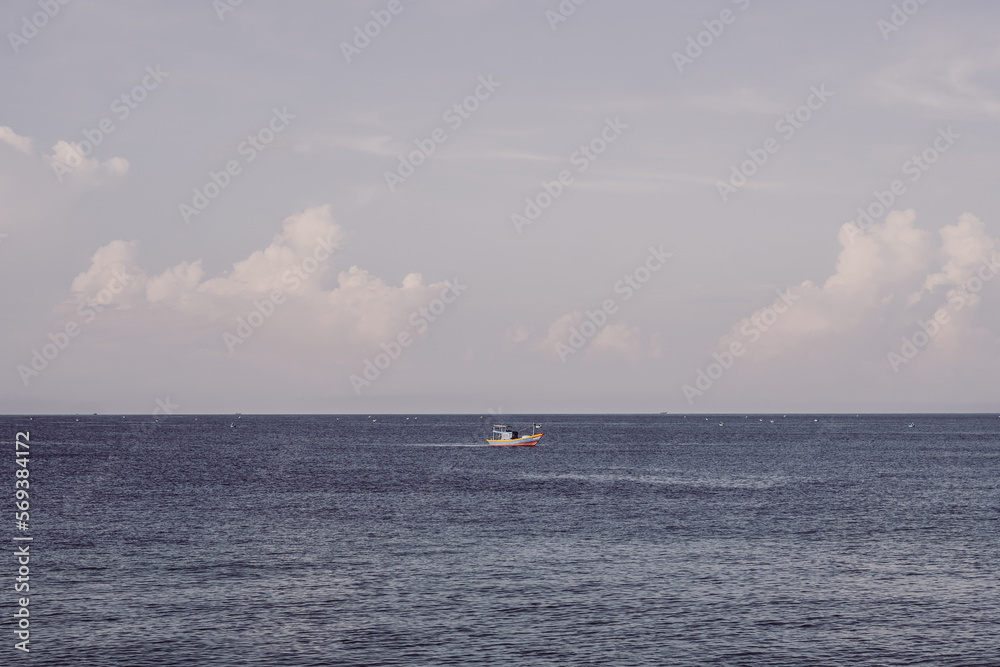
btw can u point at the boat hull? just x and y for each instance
(527, 441)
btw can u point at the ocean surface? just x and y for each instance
(404, 540)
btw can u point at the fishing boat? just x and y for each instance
(503, 436)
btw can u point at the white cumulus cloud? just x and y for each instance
(361, 311)
(884, 284)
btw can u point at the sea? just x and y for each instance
(404, 540)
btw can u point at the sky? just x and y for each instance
(499, 206)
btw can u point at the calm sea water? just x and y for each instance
(621, 540)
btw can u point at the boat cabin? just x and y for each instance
(503, 432)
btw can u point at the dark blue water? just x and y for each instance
(819, 540)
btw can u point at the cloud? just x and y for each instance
(112, 264)
(519, 333)
(176, 285)
(302, 236)
(37, 188)
(884, 284)
(68, 161)
(943, 79)
(378, 145)
(964, 249)
(19, 143)
(359, 313)
(874, 266)
(613, 341)
(618, 341)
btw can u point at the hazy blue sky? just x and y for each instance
(598, 205)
